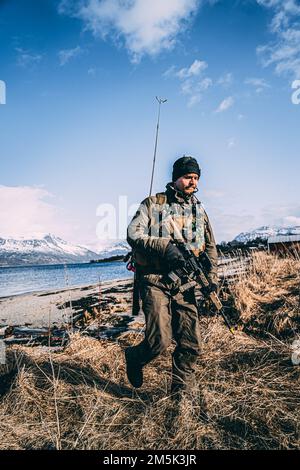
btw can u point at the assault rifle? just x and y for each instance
(194, 273)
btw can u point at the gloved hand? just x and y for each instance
(213, 287)
(173, 257)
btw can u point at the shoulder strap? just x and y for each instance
(161, 198)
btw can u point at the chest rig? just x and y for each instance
(181, 221)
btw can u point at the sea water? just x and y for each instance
(23, 279)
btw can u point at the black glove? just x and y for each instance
(173, 257)
(213, 287)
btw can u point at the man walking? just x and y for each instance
(161, 219)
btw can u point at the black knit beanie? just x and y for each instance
(185, 165)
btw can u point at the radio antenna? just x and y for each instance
(160, 102)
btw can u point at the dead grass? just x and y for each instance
(268, 298)
(247, 392)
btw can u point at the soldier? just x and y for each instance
(151, 232)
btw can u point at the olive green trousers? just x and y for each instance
(169, 317)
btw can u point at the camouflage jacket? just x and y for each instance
(167, 216)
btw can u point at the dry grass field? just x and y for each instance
(247, 392)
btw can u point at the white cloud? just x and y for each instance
(194, 90)
(143, 30)
(291, 220)
(268, 3)
(284, 52)
(170, 72)
(225, 104)
(226, 80)
(192, 82)
(197, 67)
(227, 225)
(2, 92)
(24, 209)
(29, 211)
(231, 143)
(259, 84)
(92, 71)
(281, 215)
(27, 58)
(187, 87)
(193, 100)
(204, 84)
(66, 55)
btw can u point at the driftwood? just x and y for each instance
(35, 336)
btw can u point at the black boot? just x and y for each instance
(133, 369)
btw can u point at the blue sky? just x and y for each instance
(77, 130)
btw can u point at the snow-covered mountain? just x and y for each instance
(265, 232)
(42, 249)
(117, 249)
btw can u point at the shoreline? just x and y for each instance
(57, 307)
(222, 262)
(55, 291)
(41, 308)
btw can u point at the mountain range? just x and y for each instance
(265, 232)
(43, 249)
(50, 249)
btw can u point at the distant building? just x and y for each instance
(284, 244)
